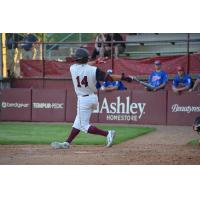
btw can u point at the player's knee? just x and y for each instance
(82, 127)
(85, 128)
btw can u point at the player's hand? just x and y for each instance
(126, 78)
(102, 88)
(155, 89)
(190, 90)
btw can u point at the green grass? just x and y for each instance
(45, 133)
(193, 142)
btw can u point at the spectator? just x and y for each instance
(110, 86)
(118, 47)
(29, 46)
(14, 53)
(196, 84)
(99, 46)
(107, 51)
(182, 81)
(158, 78)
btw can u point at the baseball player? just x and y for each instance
(85, 77)
(158, 78)
(110, 86)
(181, 81)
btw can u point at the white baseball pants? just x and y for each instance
(85, 107)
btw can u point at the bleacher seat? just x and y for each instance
(150, 44)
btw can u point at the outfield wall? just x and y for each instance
(129, 107)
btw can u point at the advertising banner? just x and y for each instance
(48, 105)
(15, 105)
(184, 108)
(0, 102)
(1, 67)
(71, 105)
(136, 107)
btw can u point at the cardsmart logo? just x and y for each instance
(14, 105)
(121, 110)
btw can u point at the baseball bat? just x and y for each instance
(134, 78)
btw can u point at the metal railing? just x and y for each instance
(65, 46)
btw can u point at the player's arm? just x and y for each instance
(103, 76)
(110, 88)
(163, 84)
(187, 85)
(175, 85)
(165, 79)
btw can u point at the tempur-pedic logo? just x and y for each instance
(119, 110)
(48, 105)
(187, 109)
(14, 105)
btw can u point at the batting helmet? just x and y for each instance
(196, 125)
(81, 54)
(109, 71)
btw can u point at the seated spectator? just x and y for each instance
(14, 53)
(29, 46)
(12, 40)
(196, 84)
(107, 46)
(158, 78)
(99, 46)
(182, 81)
(118, 47)
(110, 86)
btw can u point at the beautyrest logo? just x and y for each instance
(130, 110)
(187, 109)
(48, 105)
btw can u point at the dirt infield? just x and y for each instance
(167, 145)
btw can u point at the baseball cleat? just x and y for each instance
(60, 145)
(110, 138)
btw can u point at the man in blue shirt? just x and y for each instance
(196, 84)
(115, 85)
(29, 40)
(158, 78)
(182, 81)
(29, 46)
(14, 53)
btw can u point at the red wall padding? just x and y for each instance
(48, 105)
(183, 109)
(128, 107)
(56, 69)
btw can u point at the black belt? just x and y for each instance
(86, 95)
